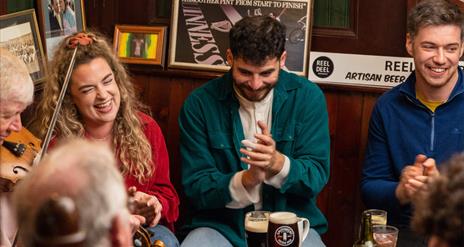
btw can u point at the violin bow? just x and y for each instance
(52, 124)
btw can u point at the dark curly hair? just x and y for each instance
(434, 12)
(256, 39)
(440, 211)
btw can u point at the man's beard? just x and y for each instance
(254, 95)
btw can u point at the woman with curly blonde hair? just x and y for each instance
(100, 105)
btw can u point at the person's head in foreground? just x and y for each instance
(439, 213)
(85, 173)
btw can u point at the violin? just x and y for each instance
(142, 237)
(17, 154)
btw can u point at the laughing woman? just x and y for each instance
(100, 105)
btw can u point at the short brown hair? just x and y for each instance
(434, 12)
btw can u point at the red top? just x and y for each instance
(159, 184)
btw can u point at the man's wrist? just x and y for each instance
(249, 181)
(276, 166)
(400, 194)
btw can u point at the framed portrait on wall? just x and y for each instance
(140, 44)
(19, 33)
(58, 19)
(213, 20)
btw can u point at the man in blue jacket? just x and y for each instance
(419, 122)
(254, 139)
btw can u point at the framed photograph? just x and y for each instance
(58, 19)
(140, 44)
(20, 35)
(200, 31)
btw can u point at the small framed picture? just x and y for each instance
(58, 19)
(140, 44)
(20, 35)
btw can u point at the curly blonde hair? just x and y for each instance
(133, 148)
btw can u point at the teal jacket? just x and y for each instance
(211, 132)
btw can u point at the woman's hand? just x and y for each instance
(146, 205)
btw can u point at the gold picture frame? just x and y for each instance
(19, 33)
(140, 44)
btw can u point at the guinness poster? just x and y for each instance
(200, 31)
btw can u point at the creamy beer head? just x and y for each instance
(283, 218)
(256, 224)
(259, 226)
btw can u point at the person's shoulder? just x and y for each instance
(212, 89)
(293, 81)
(147, 120)
(390, 96)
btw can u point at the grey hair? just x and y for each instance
(434, 12)
(15, 83)
(85, 172)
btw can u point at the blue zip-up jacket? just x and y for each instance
(400, 128)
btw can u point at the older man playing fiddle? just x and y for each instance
(16, 93)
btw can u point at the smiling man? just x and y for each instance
(254, 139)
(419, 122)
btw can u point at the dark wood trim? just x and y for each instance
(350, 32)
(178, 73)
(352, 88)
(410, 4)
(3, 7)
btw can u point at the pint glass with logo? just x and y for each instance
(286, 229)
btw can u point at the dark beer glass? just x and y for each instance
(256, 223)
(286, 229)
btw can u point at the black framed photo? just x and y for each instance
(19, 33)
(200, 31)
(58, 19)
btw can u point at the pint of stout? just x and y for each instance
(286, 229)
(256, 223)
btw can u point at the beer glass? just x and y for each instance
(379, 217)
(385, 236)
(256, 223)
(286, 229)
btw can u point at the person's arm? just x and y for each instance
(205, 184)
(160, 183)
(378, 181)
(309, 162)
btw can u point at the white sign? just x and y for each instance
(365, 70)
(360, 70)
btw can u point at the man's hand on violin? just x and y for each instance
(6, 185)
(146, 205)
